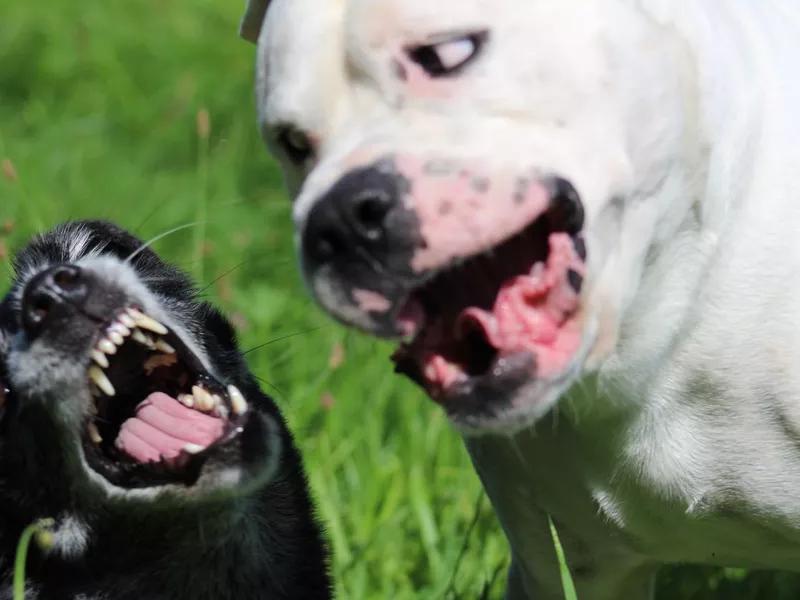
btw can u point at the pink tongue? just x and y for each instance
(163, 427)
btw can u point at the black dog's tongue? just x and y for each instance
(163, 427)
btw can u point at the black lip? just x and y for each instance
(506, 374)
(185, 469)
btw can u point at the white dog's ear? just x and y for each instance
(252, 20)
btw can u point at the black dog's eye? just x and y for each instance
(448, 56)
(295, 144)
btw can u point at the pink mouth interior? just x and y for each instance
(521, 297)
(162, 428)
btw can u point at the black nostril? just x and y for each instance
(370, 210)
(46, 291)
(66, 277)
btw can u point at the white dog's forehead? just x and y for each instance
(322, 63)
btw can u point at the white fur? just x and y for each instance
(677, 120)
(71, 537)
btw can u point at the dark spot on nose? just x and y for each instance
(439, 168)
(580, 246)
(575, 280)
(399, 70)
(480, 185)
(520, 189)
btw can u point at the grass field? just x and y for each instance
(103, 110)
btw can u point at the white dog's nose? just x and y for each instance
(361, 217)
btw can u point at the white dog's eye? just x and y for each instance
(448, 56)
(295, 144)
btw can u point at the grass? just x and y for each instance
(142, 112)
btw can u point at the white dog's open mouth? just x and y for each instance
(501, 317)
(157, 412)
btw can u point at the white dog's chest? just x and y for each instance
(664, 492)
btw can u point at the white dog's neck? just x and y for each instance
(742, 143)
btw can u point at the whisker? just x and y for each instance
(225, 274)
(153, 240)
(285, 337)
(272, 387)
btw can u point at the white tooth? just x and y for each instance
(94, 434)
(99, 358)
(164, 346)
(107, 346)
(142, 338)
(126, 321)
(216, 400)
(100, 380)
(145, 322)
(202, 398)
(238, 403)
(120, 329)
(115, 337)
(221, 411)
(186, 399)
(194, 448)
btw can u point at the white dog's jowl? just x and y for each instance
(579, 220)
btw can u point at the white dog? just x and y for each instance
(588, 205)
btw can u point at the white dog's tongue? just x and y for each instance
(163, 427)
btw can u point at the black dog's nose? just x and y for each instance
(48, 292)
(353, 214)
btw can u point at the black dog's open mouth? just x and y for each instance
(157, 413)
(506, 314)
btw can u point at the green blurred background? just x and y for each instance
(142, 112)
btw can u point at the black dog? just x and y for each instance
(130, 417)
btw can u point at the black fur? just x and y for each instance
(257, 540)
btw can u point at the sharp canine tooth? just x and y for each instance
(107, 346)
(145, 322)
(126, 320)
(94, 434)
(115, 337)
(99, 378)
(194, 448)
(238, 403)
(142, 338)
(164, 347)
(99, 358)
(202, 398)
(186, 399)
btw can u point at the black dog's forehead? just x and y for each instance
(76, 240)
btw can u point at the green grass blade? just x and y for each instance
(31, 530)
(566, 577)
